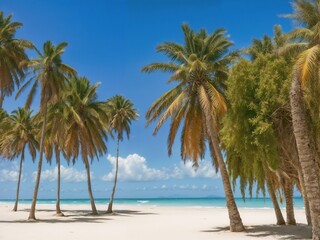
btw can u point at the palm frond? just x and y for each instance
(307, 63)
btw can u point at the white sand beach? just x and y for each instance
(143, 222)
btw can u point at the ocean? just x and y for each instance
(179, 202)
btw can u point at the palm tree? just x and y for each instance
(50, 73)
(121, 114)
(307, 14)
(199, 68)
(86, 124)
(12, 56)
(21, 134)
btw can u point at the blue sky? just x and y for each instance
(109, 42)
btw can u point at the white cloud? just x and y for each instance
(205, 170)
(204, 187)
(68, 174)
(10, 172)
(8, 175)
(134, 168)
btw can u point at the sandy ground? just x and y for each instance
(143, 222)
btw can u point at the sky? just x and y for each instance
(109, 42)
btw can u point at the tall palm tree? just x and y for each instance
(86, 124)
(121, 113)
(50, 73)
(12, 56)
(21, 134)
(307, 14)
(199, 67)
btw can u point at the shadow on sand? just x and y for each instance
(128, 213)
(83, 216)
(300, 231)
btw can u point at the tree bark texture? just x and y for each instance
(277, 210)
(306, 151)
(15, 208)
(58, 209)
(93, 206)
(236, 224)
(288, 193)
(32, 215)
(115, 180)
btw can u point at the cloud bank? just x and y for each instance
(68, 174)
(135, 168)
(8, 175)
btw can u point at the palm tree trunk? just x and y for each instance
(1, 99)
(288, 193)
(93, 206)
(15, 208)
(58, 210)
(304, 195)
(236, 224)
(277, 210)
(297, 163)
(307, 156)
(115, 180)
(306, 203)
(32, 215)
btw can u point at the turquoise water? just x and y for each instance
(182, 202)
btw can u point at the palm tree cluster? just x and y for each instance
(257, 110)
(71, 120)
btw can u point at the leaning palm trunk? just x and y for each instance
(297, 163)
(304, 195)
(15, 208)
(277, 210)
(288, 193)
(58, 210)
(115, 180)
(93, 206)
(306, 151)
(236, 224)
(32, 215)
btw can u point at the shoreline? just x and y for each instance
(143, 222)
(254, 203)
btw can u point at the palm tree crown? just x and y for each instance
(305, 39)
(121, 114)
(86, 121)
(12, 56)
(50, 73)
(199, 67)
(20, 134)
